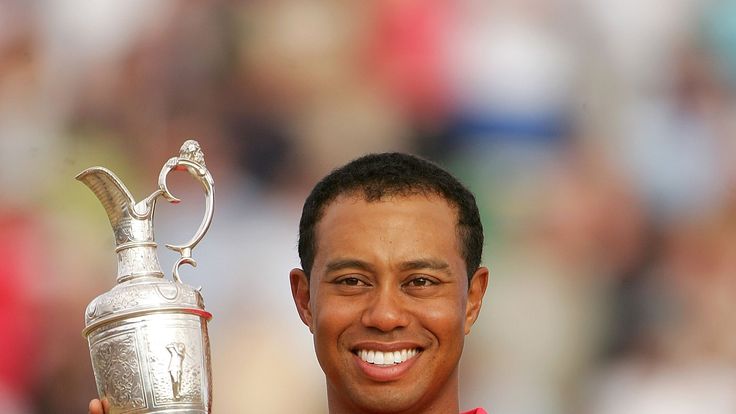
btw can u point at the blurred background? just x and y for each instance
(598, 136)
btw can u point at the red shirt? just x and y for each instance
(476, 411)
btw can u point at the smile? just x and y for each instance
(386, 358)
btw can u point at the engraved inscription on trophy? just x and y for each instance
(177, 351)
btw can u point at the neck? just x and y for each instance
(443, 407)
(443, 400)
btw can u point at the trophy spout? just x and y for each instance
(131, 223)
(111, 192)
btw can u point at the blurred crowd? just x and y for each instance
(599, 137)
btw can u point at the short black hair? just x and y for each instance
(376, 176)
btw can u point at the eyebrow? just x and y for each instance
(432, 264)
(341, 264)
(418, 264)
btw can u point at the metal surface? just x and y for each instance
(148, 335)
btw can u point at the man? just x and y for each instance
(390, 285)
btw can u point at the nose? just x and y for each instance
(386, 311)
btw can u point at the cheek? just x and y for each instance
(332, 317)
(446, 319)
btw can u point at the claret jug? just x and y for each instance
(148, 335)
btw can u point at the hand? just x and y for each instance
(99, 407)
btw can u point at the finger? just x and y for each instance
(95, 407)
(106, 405)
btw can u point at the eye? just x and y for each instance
(350, 281)
(420, 282)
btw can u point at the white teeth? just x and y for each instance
(386, 358)
(378, 359)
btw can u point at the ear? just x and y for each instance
(300, 293)
(476, 291)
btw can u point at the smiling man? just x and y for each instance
(390, 284)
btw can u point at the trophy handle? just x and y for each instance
(190, 159)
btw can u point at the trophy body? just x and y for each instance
(155, 357)
(147, 336)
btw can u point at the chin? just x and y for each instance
(383, 399)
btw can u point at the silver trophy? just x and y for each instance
(148, 335)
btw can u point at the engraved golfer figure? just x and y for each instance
(176, 349)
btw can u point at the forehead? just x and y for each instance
(355, 205)
(350, 221)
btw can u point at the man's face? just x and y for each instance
(389, 304)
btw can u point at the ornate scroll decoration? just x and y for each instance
(118, 374)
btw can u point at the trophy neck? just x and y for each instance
(136, 249)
